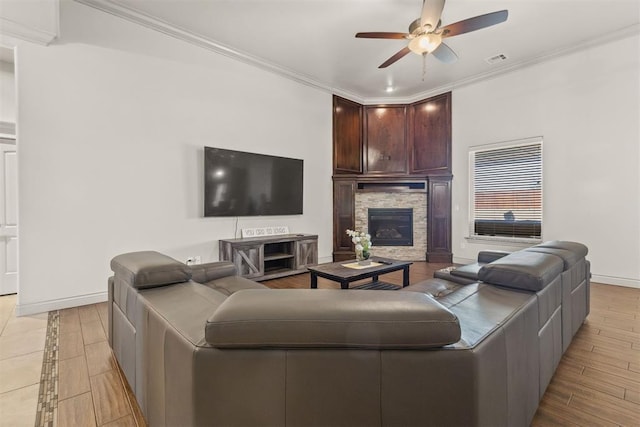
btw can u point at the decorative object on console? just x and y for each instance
(362, 242)
(265, 231)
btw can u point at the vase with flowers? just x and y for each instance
(362, 242)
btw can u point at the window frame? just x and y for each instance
(472, 236)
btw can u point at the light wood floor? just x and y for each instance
(597, 382)
(91, 388)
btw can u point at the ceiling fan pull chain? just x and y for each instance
(424, 65)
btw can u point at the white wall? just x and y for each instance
(113, 118)
(586, 106)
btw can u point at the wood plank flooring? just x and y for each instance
(91, 386)
(597, 381)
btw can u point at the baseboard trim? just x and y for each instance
(441, 257)
(618, 281)
(59, 304)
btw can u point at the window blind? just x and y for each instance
(507, 191)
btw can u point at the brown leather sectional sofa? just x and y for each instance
(204, 347)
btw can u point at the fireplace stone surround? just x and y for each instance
(392, 198)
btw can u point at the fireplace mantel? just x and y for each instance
(391, 186)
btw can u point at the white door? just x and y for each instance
(8, 219)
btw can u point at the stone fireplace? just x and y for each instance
(394, 203)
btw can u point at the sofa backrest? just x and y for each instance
(324, 318)
(522, 270)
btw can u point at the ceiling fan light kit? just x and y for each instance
(426, 34)
(425, 43)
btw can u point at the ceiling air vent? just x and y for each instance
(495, 59)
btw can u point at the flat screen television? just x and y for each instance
(237, 183)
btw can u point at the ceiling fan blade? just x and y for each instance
(395, 57)
(382, 35)
(475, 23)
(445, 54)
(431, 13)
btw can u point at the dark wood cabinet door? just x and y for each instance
(343, 214)
(347, 136)
(386, 147)
(430, 135)
(439, 220)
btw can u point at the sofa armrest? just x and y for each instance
(213, 270)
(327, 318)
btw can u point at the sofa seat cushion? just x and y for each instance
(231, 284)
(185, 307)
(530, 271)
(148, 269)
(482, 309)
(327, 318)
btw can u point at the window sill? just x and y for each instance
(504, 241)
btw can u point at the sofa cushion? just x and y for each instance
(578, 248)
(437, 288)
(530, 271)
(147, 269)
(490, 256)
(469, 271)
(445, 274)
(232, 284)
(321, 318)
(203, 273)
(569, 258)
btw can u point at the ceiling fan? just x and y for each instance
(425, 33)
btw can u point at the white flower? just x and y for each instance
(360, 239)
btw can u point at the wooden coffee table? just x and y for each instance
(337, 272)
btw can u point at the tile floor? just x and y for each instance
(22, 341)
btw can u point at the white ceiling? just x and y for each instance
(313, 40)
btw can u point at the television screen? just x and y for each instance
(237, 183)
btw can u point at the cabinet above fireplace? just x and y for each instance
(392, 139)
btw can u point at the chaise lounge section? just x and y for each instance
(206, 347)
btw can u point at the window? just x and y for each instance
(506, 190)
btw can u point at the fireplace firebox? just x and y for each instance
(391, 226)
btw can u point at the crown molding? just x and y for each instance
(607, 38)
(20, 31)
(156, 24)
